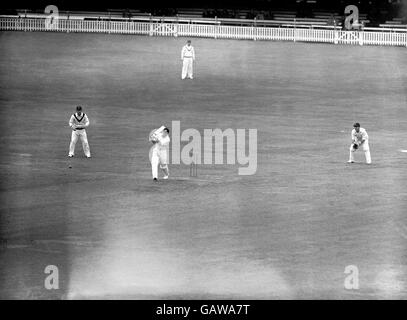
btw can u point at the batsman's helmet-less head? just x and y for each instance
(166, 129)
(78, 108)
(356, 125)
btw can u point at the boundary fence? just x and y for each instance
(210, 28)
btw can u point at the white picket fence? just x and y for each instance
(156, 27)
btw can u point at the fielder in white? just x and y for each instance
(78, 122)
(160, 151)
(187, 57)
(359, 139)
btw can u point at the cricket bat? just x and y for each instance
(155, 134)
(159, 130)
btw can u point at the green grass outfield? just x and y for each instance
(288, 231)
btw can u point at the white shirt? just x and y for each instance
(79, 120)
(359, 136)
(163, 143)
(188, 52)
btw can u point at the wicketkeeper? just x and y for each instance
(78, 122)
(360, 139)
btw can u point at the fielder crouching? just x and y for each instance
(78, 122)
(359, 139)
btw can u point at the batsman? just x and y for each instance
(159, 151)
(360, 139)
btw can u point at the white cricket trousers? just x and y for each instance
(366, 149)
(158, 157)
(187, 68)
(76, 134)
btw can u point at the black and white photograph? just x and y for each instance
(206, 150)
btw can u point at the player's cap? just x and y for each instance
(78, 108)
(356, 125)
(188, 41)
(166, 129)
